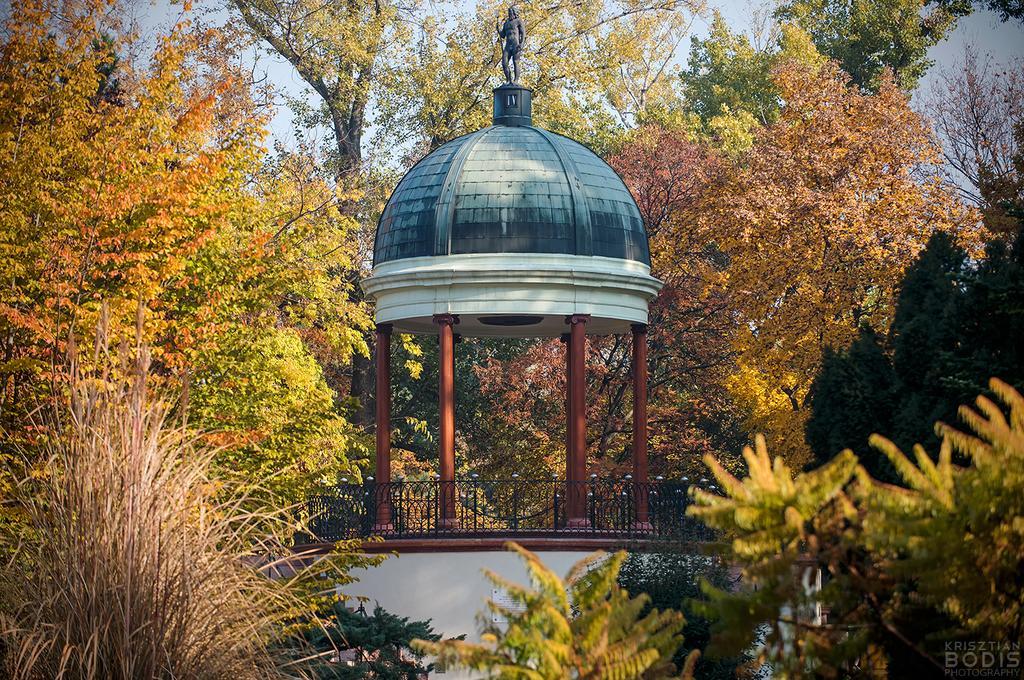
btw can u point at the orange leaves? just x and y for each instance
(819, 221)
(112, 178)
(771, 256)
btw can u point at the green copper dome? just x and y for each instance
(511, 188)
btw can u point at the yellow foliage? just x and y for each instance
(579, 58)
(904, 568)
(819, 221)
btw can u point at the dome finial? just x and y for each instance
(513, 35)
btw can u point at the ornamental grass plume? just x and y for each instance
(134, 562)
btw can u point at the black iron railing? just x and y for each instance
(507, 508)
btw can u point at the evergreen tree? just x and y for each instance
(924, 337)
(379, 645)
(851, 398)
(671, 579)
(955, 324)
(990, 314)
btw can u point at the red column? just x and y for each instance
(577, 501)
(383, 425)
(568, 407)
(640, 423)
(446, 410)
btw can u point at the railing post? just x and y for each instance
(438, 502)
(370, 506)
(628, 491)
(656, 498)
(476, 500)
(554, 502)
(396, 497)
(592, 501)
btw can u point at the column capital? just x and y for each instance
(446, 319)
(384, 328)
(639, 327)
(574, 319)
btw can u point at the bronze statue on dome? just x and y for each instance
(513, 35)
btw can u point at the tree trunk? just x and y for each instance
(360, 389)
(347, 127)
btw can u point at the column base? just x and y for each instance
(577, 523)
(643, 527)
(383, 528)
(449, 523)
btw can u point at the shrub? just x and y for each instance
(134, 562)
(907, 569)
(584, 626)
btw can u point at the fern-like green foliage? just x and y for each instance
(959, 532)
(769, 511)
(904, 569)
(584, 626)
(775, 521)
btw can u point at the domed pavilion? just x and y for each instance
(510, 231)
(512, 228)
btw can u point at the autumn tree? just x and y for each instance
(101, 200)
(150, 198)
(868, 39)
(691, 329)
(818, 222)
(273, 292)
